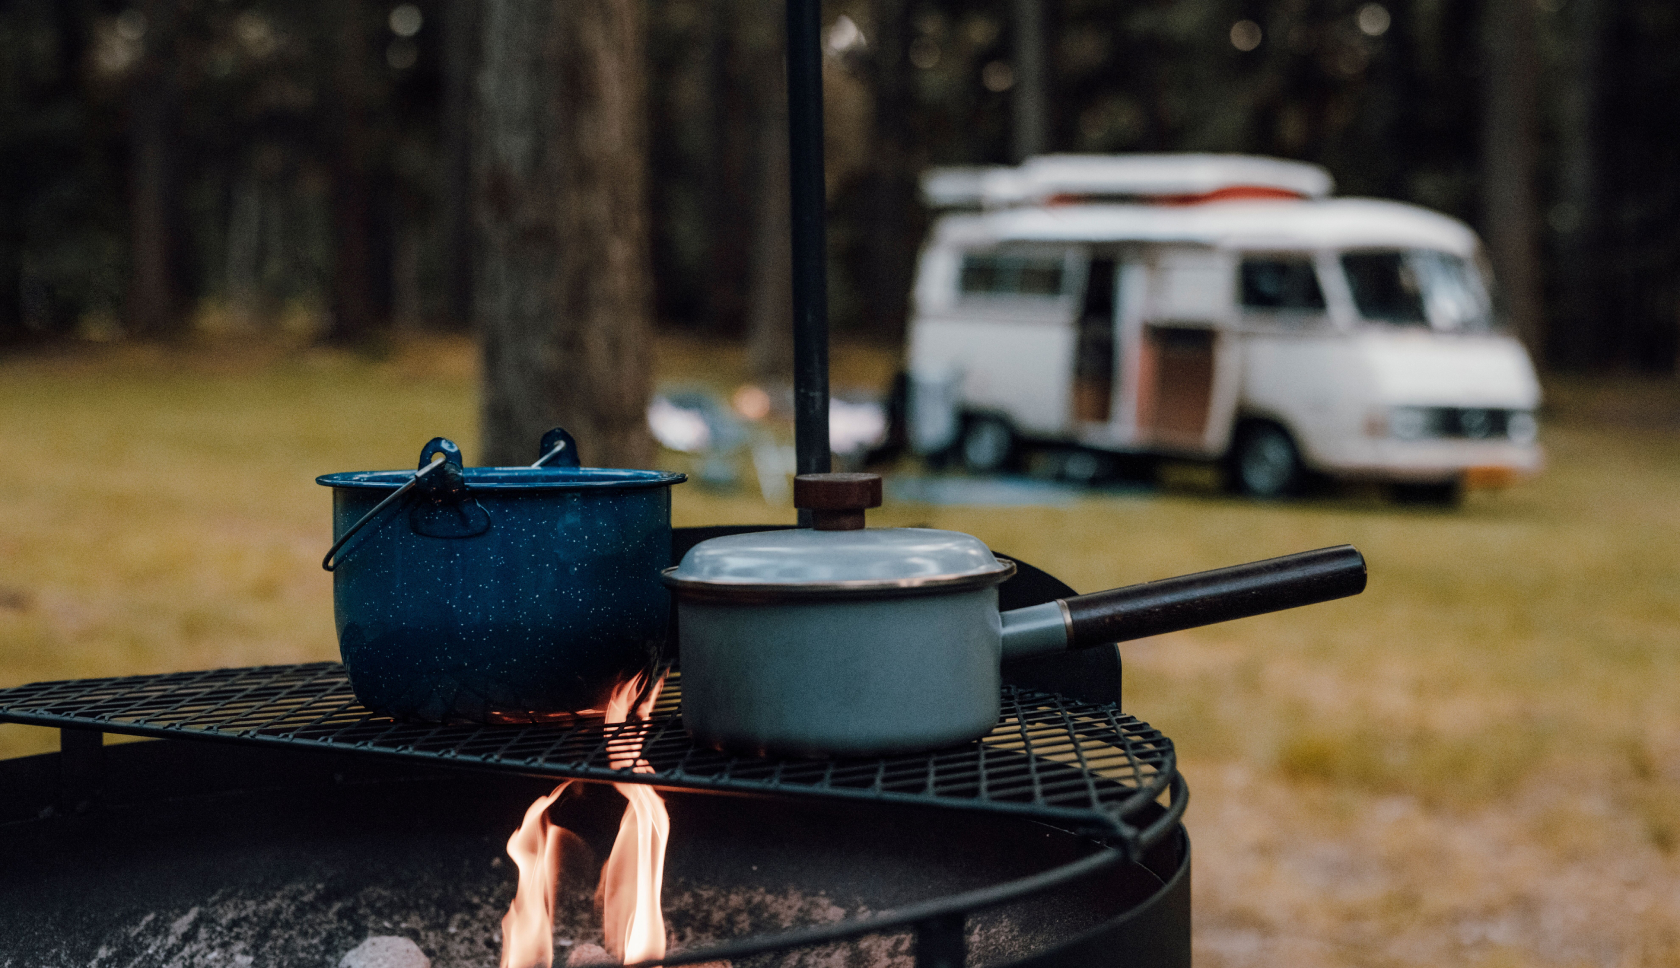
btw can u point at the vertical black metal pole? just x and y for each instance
(810, 237)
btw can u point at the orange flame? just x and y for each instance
(631, 917)
(632, 921)
(528, 927)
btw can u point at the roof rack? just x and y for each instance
(1159, 179)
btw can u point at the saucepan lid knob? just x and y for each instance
(837, 501)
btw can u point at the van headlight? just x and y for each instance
(1521, 427)
(1411, 423)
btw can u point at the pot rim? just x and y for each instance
(688, 589)
(516, 479)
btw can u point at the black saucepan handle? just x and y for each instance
(1207, 597)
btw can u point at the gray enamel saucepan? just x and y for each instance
(845, 640)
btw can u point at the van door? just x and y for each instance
(1295, 363)
(1185, 381)
(1094, 345)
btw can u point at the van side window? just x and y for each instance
(1281, 283)
(1386, 287)
(1011, 275)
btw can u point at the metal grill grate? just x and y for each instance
(1080, 766)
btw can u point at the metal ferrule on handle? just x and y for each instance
(1187, 602)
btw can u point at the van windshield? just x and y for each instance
(1419, 287)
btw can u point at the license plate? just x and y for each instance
(1489, 478)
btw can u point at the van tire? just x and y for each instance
(987, 445)
(1264, 462)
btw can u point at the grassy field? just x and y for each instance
(1477, 762)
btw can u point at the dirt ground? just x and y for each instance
(1477, 762)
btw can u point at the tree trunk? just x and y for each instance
(154, 304)
(891, 218)
(1031, 130)
(562, 280)
(770, 299)
(1574, 339)
(733, 64)
(358, 283)
(460, 46)
(1509, 150)
(243, 254)
(770, 269)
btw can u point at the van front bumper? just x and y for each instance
(1478, 463)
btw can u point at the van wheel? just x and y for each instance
(1265, 463)
(987, 445)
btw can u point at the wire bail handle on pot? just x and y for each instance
(558, 449)
(452, 512)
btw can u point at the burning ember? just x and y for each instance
(628, 895)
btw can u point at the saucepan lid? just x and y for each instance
(838, 557)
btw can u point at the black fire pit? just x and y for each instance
(203, 854)
(280, 823)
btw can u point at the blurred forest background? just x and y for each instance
(1476, 762)
(304, 168)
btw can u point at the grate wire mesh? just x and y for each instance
(1083, 767)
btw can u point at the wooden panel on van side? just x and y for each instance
(1185, 381)
(1177, 386)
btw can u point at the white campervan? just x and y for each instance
(1213, 307)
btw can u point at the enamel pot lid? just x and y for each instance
(838, 557)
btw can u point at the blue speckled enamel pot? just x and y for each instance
(502, 594)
